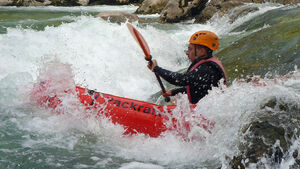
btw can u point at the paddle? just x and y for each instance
(143, 44)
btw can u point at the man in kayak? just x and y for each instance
(204, 72)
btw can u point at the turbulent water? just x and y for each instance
(77, 48)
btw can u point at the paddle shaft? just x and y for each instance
(167, 99)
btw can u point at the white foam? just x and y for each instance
(104, 56)
(137, 165)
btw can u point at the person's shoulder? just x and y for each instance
(209, 66)
(214, 68)
(212, 64)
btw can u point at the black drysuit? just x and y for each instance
(200, 80)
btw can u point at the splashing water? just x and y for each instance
(93, 53)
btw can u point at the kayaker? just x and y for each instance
(204, 72)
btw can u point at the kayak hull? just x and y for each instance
(134, 115)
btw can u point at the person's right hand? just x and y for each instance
(153, 65)
(167, 93)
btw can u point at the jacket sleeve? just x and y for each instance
(178, 90)
(174, 78)
(200, 76)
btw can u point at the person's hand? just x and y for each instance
(167, 93)
(153, 65)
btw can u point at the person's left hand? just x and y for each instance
(167, 93)
(154, 64)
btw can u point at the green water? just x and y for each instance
(272, 45)
(36, 20)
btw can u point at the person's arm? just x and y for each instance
(178, 90)
(174, 78)
(204, 75)
(201, 76)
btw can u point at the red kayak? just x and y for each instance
(135, 116)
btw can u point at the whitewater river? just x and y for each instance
(72, 46)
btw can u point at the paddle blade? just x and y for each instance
(140, 40)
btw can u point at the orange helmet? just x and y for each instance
(205, 38)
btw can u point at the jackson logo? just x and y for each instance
(133, 106)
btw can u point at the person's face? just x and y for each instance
(191, 52)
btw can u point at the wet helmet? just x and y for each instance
(205, 38)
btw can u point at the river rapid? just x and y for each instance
(260, 52)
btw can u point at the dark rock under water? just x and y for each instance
(270, 135)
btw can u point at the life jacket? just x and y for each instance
(212, 59)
